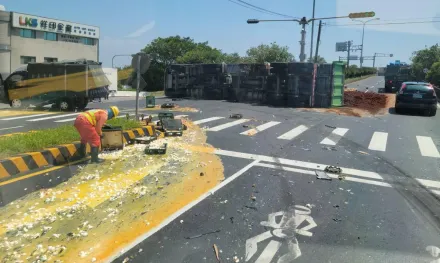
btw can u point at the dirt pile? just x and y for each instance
(372, 102)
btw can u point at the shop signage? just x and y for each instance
(52, 25)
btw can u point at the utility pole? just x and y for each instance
(138, 79)
(302, 56)
(313, 28)
(363, 33)
(317, 41)
(348, 53)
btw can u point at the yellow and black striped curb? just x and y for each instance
(21, 164)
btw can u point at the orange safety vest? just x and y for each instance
(90, 116)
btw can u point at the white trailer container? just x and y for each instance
(112, 76)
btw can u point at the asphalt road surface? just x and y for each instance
(272, 208)
(372, 84)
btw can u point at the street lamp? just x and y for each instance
(363, 32)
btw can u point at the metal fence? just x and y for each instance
(274, 84)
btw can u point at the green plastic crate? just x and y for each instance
(150, 101)
(338, 84)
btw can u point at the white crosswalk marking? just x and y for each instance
(293, 133)
(227, 125)
(427, 147)
(378, 141)
(27, 116)
(335, 136)
(208, 120)
(54, 117)
(260, 128)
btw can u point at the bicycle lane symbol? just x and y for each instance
(286, 229)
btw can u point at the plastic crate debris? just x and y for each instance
(236, 116)
(145, 139)
(156, 150)
(333, 169)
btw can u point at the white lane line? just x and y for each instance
(378, 141)
(334, 176)
(335, 136)
(293, 133)
(181, 212)
(437, 192)
(427, 147)
(301, 164)
(10, 128)
(180, 116)
(228, 125)
(66, 120)
(54, 117)
(269, 252)
(261, 128)
(27, 116)
(429, 183)
(208, 120)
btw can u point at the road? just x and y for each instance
(272, 208)
(372, 84)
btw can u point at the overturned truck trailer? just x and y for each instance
(274, 84)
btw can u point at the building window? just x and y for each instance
(50, 60)
(87, 41)
(27, 33)
(26, 59)
(50, 36)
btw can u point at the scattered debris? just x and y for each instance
(322, 175)
(125, 260)
(223, 202)
(329, 148)
(253, 185)
(336, 206)
(231, 219)
(216, 252)
(364, 153)
(337, 220)
(341, 177)
(236, 260)
(245, 126)
(309, 205)
(236, 116)
(333, 169)
(251, 207)
(306, 149)
(204, 234)
(253, 198)
(202, 174)
(176, 99)
(181, 221)
(328, 126)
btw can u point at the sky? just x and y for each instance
(128, 26)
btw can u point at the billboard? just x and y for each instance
(341, 46)
(20, 20)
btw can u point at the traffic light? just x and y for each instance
(361, 15)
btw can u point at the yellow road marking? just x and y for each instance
(10, 113)
(40, 172)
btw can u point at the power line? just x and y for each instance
(259, 9)
(381, 24)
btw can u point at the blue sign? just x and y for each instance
(397, 62)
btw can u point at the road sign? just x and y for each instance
(425, 70)
(362, 15)
(142, 83)
(341, 47)
(353, 57)
(144, 63)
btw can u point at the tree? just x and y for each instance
(269, 53)
(233, 58)
(201, 54)
(424, 58)
(320, 60)
(433, 75)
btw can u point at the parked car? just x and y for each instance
(416, 95)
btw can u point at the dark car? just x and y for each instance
(417, 95)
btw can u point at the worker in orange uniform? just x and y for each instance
(89, 125)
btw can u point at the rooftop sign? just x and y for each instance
(52, 25)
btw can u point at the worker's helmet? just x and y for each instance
(113, 112)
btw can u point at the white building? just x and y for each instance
(28, 38)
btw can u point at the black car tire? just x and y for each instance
(433, 112)
(398, 110)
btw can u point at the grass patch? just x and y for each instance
(40, 139)
(348, 81)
